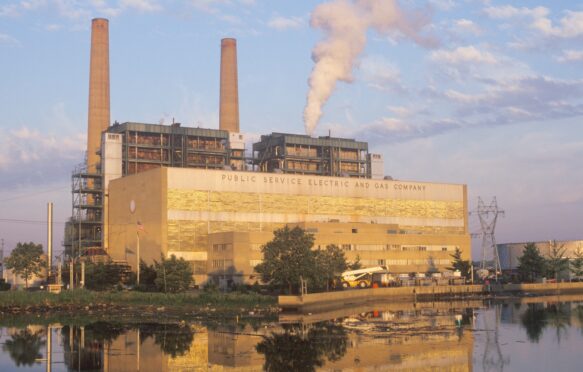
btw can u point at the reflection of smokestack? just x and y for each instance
(229, 105)
(98, 90)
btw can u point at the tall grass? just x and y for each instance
(82, 297)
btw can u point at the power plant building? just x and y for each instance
(219, 219)
(196, 193)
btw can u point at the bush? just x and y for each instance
(4, 286)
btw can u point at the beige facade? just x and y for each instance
(511, 252)
(207, 216)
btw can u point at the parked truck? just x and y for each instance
(361, 278)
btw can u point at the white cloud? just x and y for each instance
(28, 156)
(508, 11)
(569, 26)
(443, 4)
(8, 40)
(53, 27)
(10, 10)
(141, 5)
(32, 4)
(286, 23)
(15, 9)
(212, 6)
(466, 26)
(461, 55)
(571, 56)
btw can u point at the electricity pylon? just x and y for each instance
(488, 215)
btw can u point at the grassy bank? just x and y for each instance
(193, 303)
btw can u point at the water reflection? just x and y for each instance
(415, 337)
(538, 316)
(173, 339)
(296, 348)
(24, 347)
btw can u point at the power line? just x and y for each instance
(33, 194)
(30, 222)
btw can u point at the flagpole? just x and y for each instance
(138, 258)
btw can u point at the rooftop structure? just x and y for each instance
(302, 154)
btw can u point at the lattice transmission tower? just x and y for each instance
(488, 215)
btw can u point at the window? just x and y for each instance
(346, 247)
(444, 249)
(354, 231)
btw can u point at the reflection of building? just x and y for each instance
(218, 219)
(419, 340)
(511, 252)
(426, 340)
(235, 349)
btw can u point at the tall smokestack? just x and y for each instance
(229, 105)
(98, 90)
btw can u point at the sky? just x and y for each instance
(483, 93)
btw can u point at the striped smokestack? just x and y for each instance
(98, 120)
(229, 105)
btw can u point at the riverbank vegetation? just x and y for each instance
(137, 303)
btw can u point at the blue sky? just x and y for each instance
(486, 93)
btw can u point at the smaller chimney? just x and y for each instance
(229, 100)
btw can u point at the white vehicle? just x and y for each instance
(360, 278)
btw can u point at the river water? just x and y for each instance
(530, 334)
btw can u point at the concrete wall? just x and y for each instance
(146, 192)
(328, 300)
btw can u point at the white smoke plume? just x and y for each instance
(345, 24)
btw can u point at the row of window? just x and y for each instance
(222, 264)
(417, 262)
(384, 262)
(397, 247)
(222, 247)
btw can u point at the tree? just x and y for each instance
(356, 265)
(577, 262)
(173, 275)
(26, 260)
(147, 277)
(557, 262)
(102, 276)
(287, 257)
(531, 264)
(330, 263)
(457, 263)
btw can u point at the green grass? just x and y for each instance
(82, 297)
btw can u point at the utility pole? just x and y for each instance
(488, 215)
(2, 258)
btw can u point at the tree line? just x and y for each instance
(532, 265)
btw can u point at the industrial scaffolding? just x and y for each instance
(322, 156)
(83, 235)
(148, 146)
